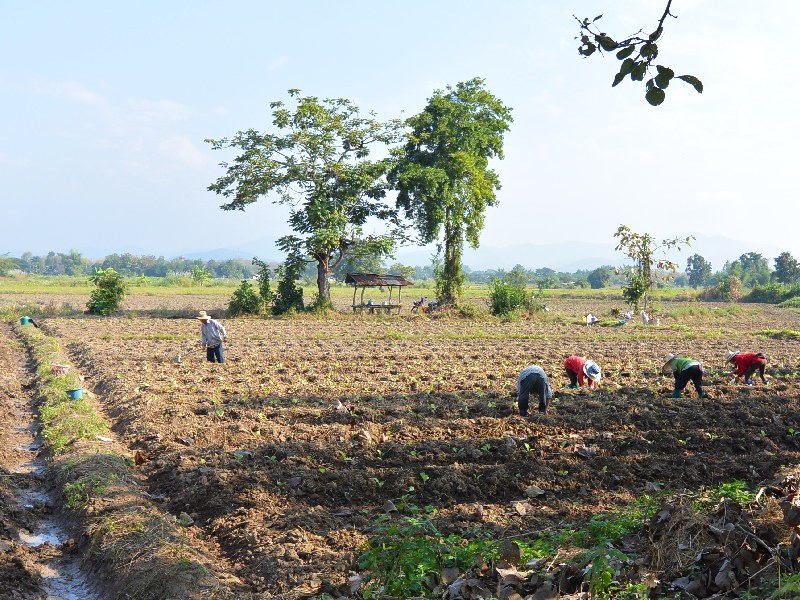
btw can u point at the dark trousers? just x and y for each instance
(758, 364)
(573, 376)
(532, 384)
(215, 354)
(693, 374)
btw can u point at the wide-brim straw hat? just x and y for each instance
(730, 354)
(203, 316)
(592, 371)
(669, 359)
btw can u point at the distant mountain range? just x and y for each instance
(563, 256)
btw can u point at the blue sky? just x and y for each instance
(106, 105)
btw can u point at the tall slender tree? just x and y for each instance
(442, 172)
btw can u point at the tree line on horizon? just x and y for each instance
(751, 269)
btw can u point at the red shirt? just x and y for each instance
(743, 360)
(575, 364)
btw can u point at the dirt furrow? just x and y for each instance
(39, 559)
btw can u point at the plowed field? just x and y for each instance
(289, 451)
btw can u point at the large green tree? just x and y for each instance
(751, 268)
(316, 160)
(442, 172)
(698, 269)
(787, 269)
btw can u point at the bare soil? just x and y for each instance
(284, 456)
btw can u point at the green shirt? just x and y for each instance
(682, 363)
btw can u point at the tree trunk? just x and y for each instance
(323, 285)
(450, 287)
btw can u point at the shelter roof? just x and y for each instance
(371, 279)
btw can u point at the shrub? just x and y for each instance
(505, 297)
(263, 277)
(771, 293)
(289, 296)
(729, 289)
(108, 295)
(245, 301)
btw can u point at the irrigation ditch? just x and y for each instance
(76, 522)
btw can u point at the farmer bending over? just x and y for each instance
(533, 379)
(747, 363)
(684, 370)
(212, 334)
(577, 368)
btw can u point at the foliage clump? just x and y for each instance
(507, 296)
(108, 294)
(245, 300)
(289, 295)
(728, 289)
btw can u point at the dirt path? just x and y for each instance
(39, 557)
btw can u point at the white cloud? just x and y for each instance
(278, 63)
(160, 109)
(180, 149)
(69, 90)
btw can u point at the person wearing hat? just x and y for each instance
(533, 379)
(212, 334)
(577, 368)
(685, 370)
(747, 363)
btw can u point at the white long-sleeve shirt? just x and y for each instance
(212, 333)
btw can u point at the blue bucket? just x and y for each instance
(24, 320)
(75, 394)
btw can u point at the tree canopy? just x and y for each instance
(316, 161)
(648, 255)
(787, 269)
(698, 269)
(442, 172)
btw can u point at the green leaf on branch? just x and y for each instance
(665, 71)
(588, 51)
(655, 96)
(606, 43)
(625, 52)
(626, 66)
(638, 71)
(664, 76)
(693, 81)
(618, 78)
(597, 18)
(649, 51)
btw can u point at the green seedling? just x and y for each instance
(424, 476)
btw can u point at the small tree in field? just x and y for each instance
(200, 276)
(263, 278)
(289, 297)
(245, 301)
(647, 254)
(109, 293)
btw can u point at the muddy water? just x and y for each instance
(48, 554)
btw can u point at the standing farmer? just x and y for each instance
(533, 379)
(577, 368)
(684, 370)
(212, 334)
(747, 363)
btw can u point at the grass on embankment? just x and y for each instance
(141, 552)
